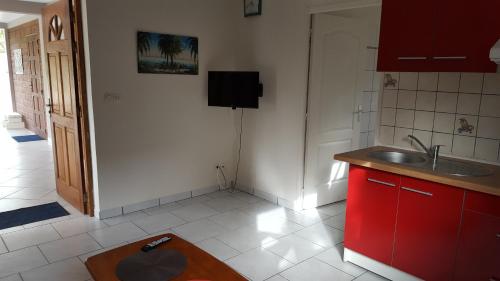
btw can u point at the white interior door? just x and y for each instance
(339, 51)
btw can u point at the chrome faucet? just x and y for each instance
(432, 152)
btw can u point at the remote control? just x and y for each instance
(155, 244)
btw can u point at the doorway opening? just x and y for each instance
(342, 98)
(5, 91)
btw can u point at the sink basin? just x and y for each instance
(444, 166)
(398, 157)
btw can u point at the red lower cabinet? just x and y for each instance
(479, 248)
(371, 213)
(427, 229)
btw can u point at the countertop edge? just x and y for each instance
(409, 172)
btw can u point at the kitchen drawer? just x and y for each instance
(483, 203)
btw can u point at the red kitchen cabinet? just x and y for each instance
(427, 229)
(372, 199)
(406, 39)
(439, 35)
(478, 255)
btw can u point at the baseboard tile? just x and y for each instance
(266, 196)
(109, 213)
(205, 190)
(141, 206)
(175, 197)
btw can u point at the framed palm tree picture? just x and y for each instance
(167, 53)
(252, 7)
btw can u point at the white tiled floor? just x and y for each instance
(260, 240)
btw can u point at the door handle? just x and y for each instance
(451, 58)
(412, 58)
(49, 105)
(359, 111)
(416, 191)
(382, 182)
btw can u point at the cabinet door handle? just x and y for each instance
(451, 58)
(382, 182)
(493, 279)
(412, 58)
(416, 191)
(498, 235)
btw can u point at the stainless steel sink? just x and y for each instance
(443, 165)
(398, 157)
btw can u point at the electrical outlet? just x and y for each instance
(219, 166)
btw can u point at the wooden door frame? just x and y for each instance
(75, 7)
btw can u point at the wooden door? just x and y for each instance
(338, 54)
(64, 113)
(37, 97)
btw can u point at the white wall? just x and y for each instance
(161, 138)
(276, 44)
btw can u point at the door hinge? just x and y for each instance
(85, 198)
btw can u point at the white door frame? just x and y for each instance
(318, 9)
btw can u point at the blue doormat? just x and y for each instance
(31, 214)
(27, 138)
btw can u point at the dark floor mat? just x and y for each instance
(31, 214)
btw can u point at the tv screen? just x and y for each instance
(233, 89)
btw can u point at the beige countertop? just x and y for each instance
(485, 184)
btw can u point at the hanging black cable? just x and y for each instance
(239, 153)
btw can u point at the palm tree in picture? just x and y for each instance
(169, 46)
(143, 45)
(193, 47)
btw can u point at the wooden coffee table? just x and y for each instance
(200, 264)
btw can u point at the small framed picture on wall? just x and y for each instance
(252, 7)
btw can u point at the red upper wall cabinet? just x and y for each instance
(438, 35)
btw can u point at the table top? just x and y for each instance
(200, 264)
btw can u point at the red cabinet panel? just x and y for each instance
(482, 203)
(479, 249)
(406, 39)
(371, 213)
(427, 229)
(453, 35)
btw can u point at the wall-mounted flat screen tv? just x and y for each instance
(236, 89)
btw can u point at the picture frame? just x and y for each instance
(252, 8)
(159, 53)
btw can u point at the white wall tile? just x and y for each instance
(408, 80)
(491, 83)
(449, 82)
(401, 137)
(490, 106)
(406, 99)
(466, 125)
(471, 83)
(390, 98)
(444, 123)
(365, 121)
(368, 76)
(388, 117)
(426, 101)
(373, 121)
(374, 101)
(468, 104)
(463, 146)
(425, 137)
(405, 118)
(446, 102)
(487, 149)
(386, 135)
(371, 138)
(443, 139)
(424, 120)
(428, 81)
(391, 80)
(488, 127)
(363, 140)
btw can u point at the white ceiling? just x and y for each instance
(7, 17)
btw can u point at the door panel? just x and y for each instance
(35, 83)
(64, 119)
(427, 229)
(371, 213)
(338, 54)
